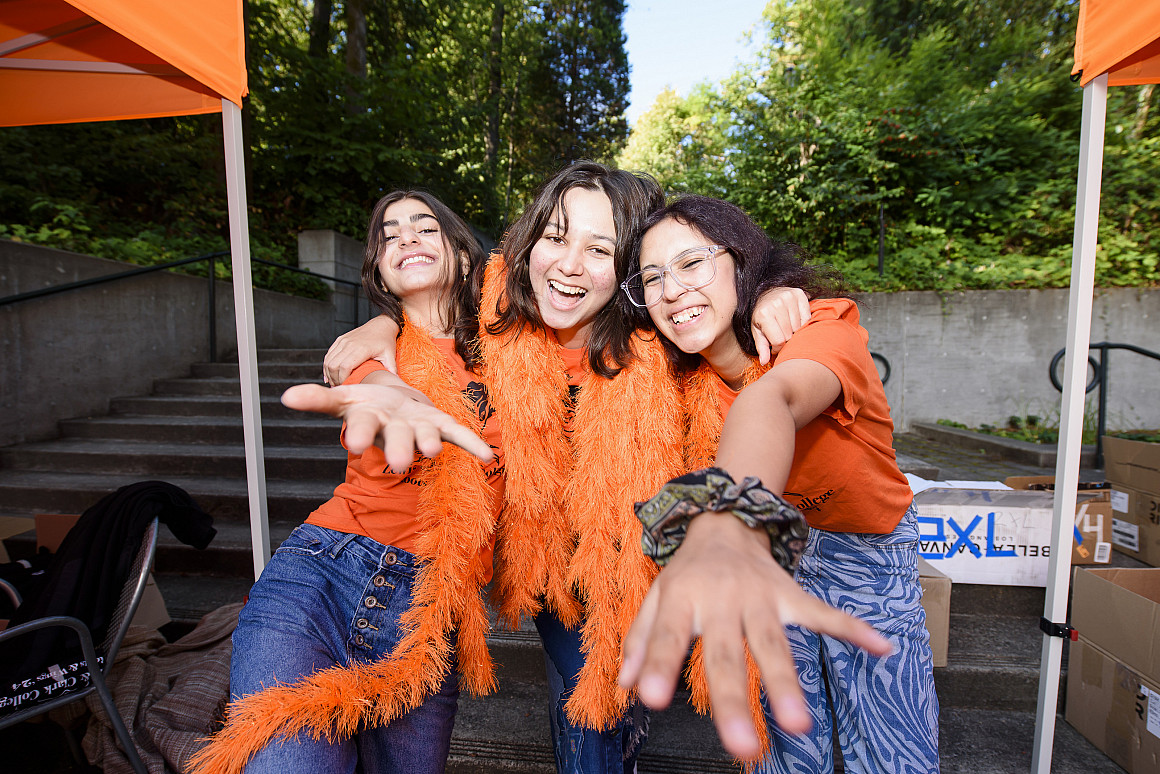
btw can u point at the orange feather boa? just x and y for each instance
(568, 527)
(455, 510)
(567, 531)
(705, 418)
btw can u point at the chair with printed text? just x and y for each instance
(98, 658)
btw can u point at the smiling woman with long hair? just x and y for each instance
(814, 429)
(351, 649)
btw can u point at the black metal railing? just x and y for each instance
(884, 371)
(1098, 381)
(211, 258)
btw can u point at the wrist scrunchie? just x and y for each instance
(667, 514)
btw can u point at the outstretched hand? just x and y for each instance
(723, 585)
(388, 417)
(373, 340)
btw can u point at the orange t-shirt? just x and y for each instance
(575, 367)
(379, 504)
(844, 477)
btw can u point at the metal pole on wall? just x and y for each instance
(1079, 323)
(247, 347)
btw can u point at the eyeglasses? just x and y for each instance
(694, 268)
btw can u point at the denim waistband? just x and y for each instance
(361, 547)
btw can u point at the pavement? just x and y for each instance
(978, 741)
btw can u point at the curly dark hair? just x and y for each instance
(462, 306)
(761, 264)
(633, 196)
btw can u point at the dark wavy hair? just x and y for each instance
(761, 264)
(633, 196)
(461, 309)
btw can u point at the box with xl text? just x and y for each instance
(988, 536)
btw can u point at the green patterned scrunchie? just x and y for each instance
(667, 514)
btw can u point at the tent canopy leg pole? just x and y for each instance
(1079, 322)
(247, 348)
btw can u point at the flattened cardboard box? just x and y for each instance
(988, 536)
(936, 603)
(1114, 707)
(1135, 464)
(1092, 534)
(1136, 523)
(51, 529)
(1118, 610)
(10, 526)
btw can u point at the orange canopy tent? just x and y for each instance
(64, 61)
(1117, 43)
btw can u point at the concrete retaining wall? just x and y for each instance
(974, 357)
(982, 356)
(67, 355)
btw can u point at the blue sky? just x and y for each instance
(680, 43)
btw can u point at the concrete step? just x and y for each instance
(163, 460)
(509, 732)
(199, 405)
(274, 355)
(225, 498)
(268, 388)
(301, 430)
(303, 372)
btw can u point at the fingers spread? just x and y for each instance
(725, 673)
(467, 440)
(311, 397)
(667, 646)
(398, 439)
(765, 634)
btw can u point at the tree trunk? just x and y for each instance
(320, 28)
(1143, 104)
(494, 86)
(356, 52)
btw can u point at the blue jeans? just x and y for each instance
(330, 598)
(582, 750)
(885, 710)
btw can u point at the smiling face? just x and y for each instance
(415, 259)
(571, 268)
(697, 321)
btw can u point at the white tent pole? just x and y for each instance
(1079, 321)
(247, 349)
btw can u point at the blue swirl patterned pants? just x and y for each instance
(883, 710)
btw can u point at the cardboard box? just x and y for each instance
(1118, 610)
(1092, 535)
(1135, 464)
(11, 526)
(936, 602)
(1114, 707)
(1136, 523)
(51, 529)
(989, 536)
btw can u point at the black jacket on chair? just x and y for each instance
(90, 568)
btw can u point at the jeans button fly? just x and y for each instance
(361, 623)
(379, 580)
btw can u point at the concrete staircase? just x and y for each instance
(189, 432)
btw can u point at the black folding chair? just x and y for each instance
(130, 598)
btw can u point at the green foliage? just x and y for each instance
(1032, 428)
(474, 101)
(954, 123)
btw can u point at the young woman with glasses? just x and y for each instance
(815, 428)
(592, 423)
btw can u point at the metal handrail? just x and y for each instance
(212, 302)
(1099, 380)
